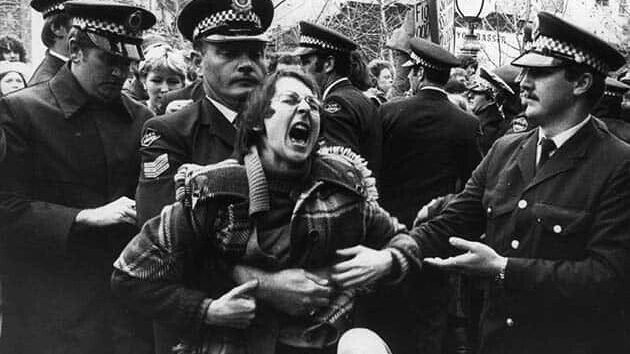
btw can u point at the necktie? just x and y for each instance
(547, 146)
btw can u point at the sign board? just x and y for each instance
(421, 19)
(446, 21)
(434, 20)
(496, 48)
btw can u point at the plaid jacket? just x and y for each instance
(213, 221)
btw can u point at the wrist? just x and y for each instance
(499, 276)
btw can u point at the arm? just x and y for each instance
(161, 154)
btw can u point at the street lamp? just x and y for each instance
(470, 10)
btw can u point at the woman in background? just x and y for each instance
(163, 70)
(382, 73)
(12, 77)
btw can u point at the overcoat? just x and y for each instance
(349, 119)
(430, 149)
(65, 152)
(564, 230)
(198, 134)
(46, 69)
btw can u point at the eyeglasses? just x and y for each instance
(293, 99)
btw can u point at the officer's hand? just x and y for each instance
(237, 308)
(296, 291)
(479, 260)
(176, 105)
(121, 210)
(363, 265)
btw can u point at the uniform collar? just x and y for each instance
(334, 83)
(562, 137)
(57, 55)
(228, 113)
(434, 88)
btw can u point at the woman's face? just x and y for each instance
(159, 82)
(10, 55)
(10, 82)
(385, 80)
(291, 133)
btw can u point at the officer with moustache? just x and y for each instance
(67, 184)
(553, 206)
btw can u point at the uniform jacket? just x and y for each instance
(619, 127)
(349, 119)
(46, 69)
(429, 144)
(565, 231)
(198, 134)
(65, 153)
(335, 209)
(193, 92)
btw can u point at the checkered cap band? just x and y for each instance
(54, 8)
(420, 61)
(544, 44)
(96, 25)
(309, 41)
(222, 17)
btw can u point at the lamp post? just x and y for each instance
(470, 10)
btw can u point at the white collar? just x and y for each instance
(435, 88)
(60, 56)
(562, 137)
(228, 113)
(327, 90)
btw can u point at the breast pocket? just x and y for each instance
(563, 231)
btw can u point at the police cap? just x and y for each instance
(557, 43)
(314, 37)
(225, 20)
(48, 7)
(430, 55)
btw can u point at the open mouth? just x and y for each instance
(299, 133)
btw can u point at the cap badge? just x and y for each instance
(241, 5)
(134, 21)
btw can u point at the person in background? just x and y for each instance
(382, 75)
(483, 101)
(12, 77)
(162, 70)
(609, 109)
(54, 35)
(133, 86)
(456, 88)
(470, 64)
(349, 116)
(544, 218)
(430, 149)
(280, 203)
(11, 49)
(66, 188)
(511, 105)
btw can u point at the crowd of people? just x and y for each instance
(216, 198)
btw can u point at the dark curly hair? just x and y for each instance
(11, 44)
(257, 108)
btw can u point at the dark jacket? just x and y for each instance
(349, 119)
(492, 125)
(619, 127)
(429, 145)
(46, 69)
(336, 208)
(65, 153)
(198, 134)
(565, 231)
(429, 150)
(194, 92)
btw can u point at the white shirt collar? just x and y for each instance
(327, 90)
(55, 54)
(228, 113)
(435, 88)
(562, 137)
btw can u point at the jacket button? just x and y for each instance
(509, 322)
(522, 204)
(489, 210)
(557, 229)
(515, 244)
(539, 220)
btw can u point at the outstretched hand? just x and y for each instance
(480, 259)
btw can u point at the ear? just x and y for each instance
(76, 54)
(583, 83)
(329, 64)
(60, 31)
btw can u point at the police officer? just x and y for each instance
(609, 109)
(553, 204)
(66, 189)
(54, 36)
(229, 34)
(349, 116)
(430, 148)
(484, 93)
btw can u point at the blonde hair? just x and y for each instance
(163, 57)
